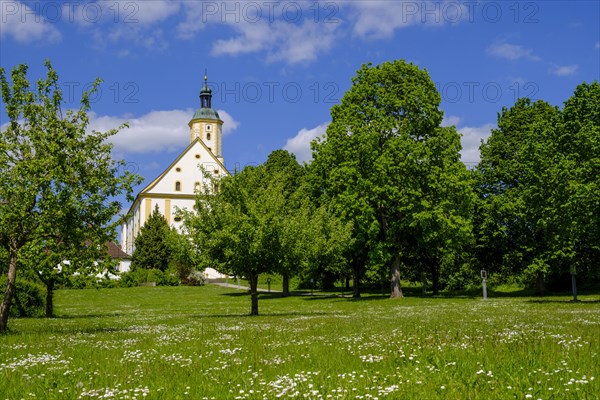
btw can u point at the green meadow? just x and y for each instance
(199, 343)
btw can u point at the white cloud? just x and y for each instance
(380, 19)
(131, 21)
(511, 52)
(26, 25)
(450, 120)
(279, 40)
(471, 140)
(563, 70)
(157, 131)
(229, 124)
(299, 145)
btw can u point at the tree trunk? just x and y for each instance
(49, 297)
(347, 282)
(435, 278)
(328, 282)
(356, 279)
(10, 289)
(395, 279)
(253, 278)
(539, 280)
(285, 292)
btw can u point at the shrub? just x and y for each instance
(29, 299)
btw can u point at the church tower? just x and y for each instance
(206, 123)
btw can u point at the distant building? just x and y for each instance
(177, 186)
(121, 258)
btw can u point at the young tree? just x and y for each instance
(152, 245)
(284, 174)
(58, 180)
(232, 230)
(387, 166)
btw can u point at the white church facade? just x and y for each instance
(176, 187)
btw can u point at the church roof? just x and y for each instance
(206, 113)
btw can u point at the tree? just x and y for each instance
(233, 230)
(284, 172)
(510, 176)
(59, 181)
(538, 186)
(152, 246)
(388, 167)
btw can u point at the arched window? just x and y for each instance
(178, 186)
(197, 186)
(208, 136)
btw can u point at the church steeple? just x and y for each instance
(205, 94)
(206, 124)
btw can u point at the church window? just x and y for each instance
(197, 186)
(197, 156)
(208, 136)
(208, 127)
(215, 187)
(177, 219)
(178, 186)
(216, 172)
(178, 169)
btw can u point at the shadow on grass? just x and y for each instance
(547, 301)
(95, 315)
(262, 314)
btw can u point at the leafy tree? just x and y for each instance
(571, 185)
(184, 259)
(537, 181)
(58, 180)
(54, 262)
(513, 230)
(388, 167)
(232, 230)
(152, 247)
(285, 175)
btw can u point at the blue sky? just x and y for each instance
(276, 68)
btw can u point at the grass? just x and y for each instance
(199, 343)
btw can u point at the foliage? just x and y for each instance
(183, 259)
(388, 167)
(233, 229)
(538, 214)
(28, 300)
(154, 276)
(59, 181)
(152, 250)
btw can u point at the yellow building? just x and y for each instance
(176, 187)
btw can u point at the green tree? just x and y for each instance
(234, 231)
(152, 245)
(571, 183)
(538, 185)
(58, 180)
(388, 167)
(284, 174)
(512, 229)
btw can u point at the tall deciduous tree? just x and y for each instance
(388, 166)
(58, 180)
(538, 183)
(152, 245)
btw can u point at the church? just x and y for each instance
(176, 187)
